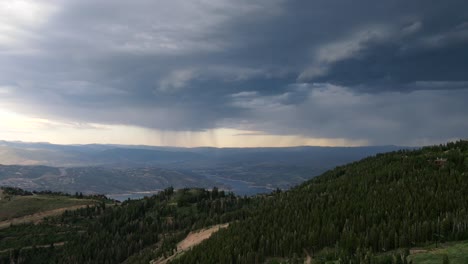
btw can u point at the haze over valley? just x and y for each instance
(136, 171)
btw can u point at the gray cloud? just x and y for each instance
(335, 68)
(330, 111)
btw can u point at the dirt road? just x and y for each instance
(36, 218)
(192, 239)
(58, 244)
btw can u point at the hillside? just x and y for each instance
(18, 206)
(355, 212)
(134, 232)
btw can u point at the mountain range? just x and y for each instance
(129, 170)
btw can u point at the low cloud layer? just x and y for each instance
(364, 71)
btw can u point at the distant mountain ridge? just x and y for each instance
(242, 170)
(24, 153)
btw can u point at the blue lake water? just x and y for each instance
(132, 196)
(236, 186)
(239, 187)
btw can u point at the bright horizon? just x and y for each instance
(41, 130)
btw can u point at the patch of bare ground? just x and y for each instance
(308, 259)
(417, 251)
(192, 239)
(37, 217)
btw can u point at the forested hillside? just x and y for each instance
(355, 212)
(133, 232)
(371, 211)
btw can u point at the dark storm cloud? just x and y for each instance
(329, 111)
(259, 65)
(397, 58)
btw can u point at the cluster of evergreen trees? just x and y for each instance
(15, 191)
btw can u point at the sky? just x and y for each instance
(234, 73)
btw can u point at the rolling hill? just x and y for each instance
(99, 180)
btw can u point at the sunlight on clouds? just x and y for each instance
(14, 126)
(242, 138)
(24, 12)
(19, 18)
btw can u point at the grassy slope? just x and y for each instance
(20, 206)
(457, 253)
(25, 211)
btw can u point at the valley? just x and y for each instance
(124, 172)
(98, 180)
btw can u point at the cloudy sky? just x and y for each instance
(234, 73)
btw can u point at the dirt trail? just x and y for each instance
(58, 244)
(417, 251)
(37, 217)
(195, 238)
(308, 259)
(192, 239)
